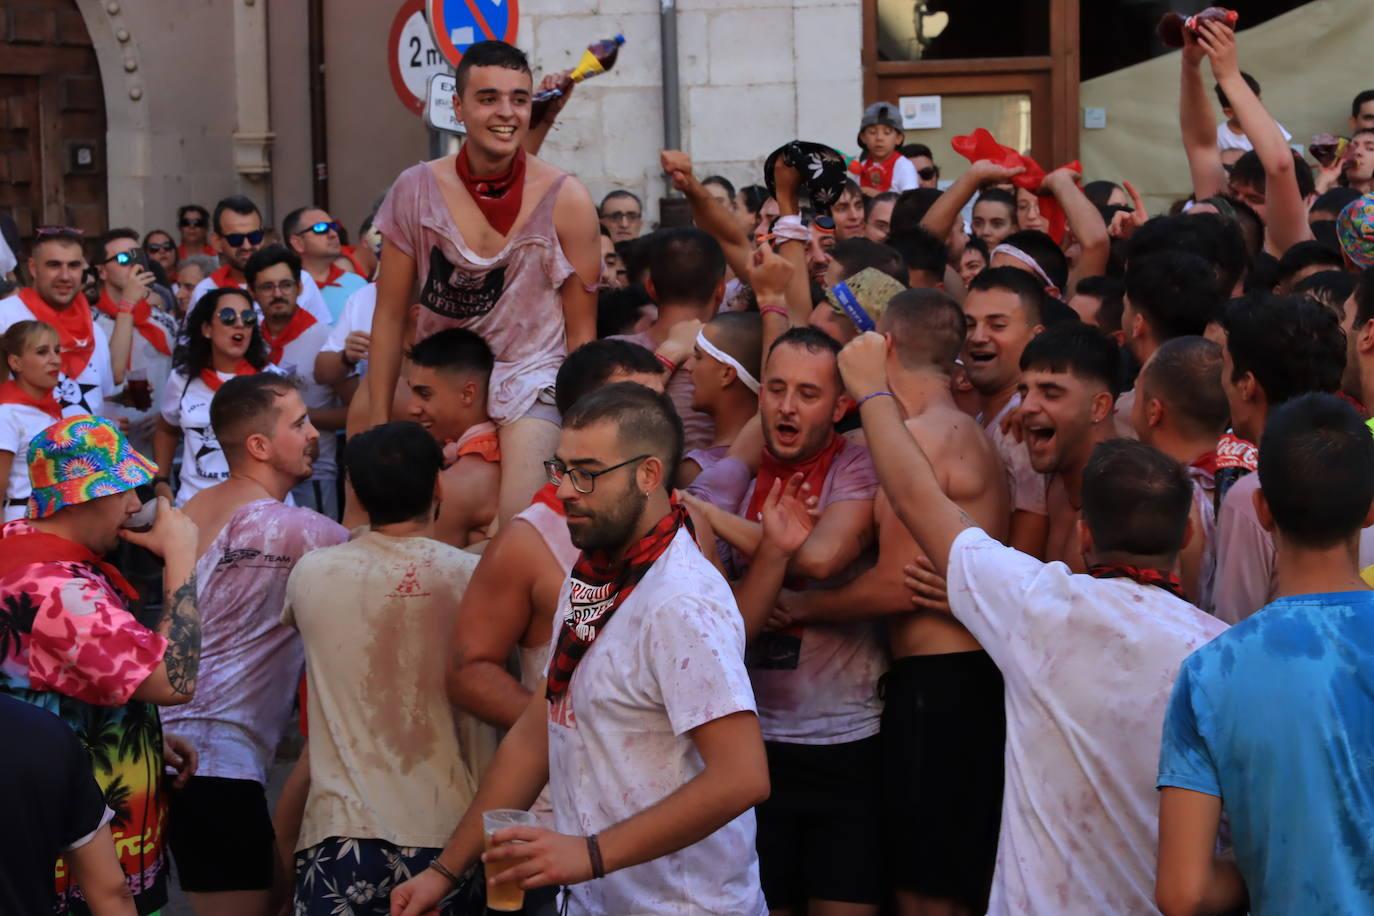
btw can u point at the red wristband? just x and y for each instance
(775, 310)
(667, 363)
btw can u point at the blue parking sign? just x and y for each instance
(459, 23)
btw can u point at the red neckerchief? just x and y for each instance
(332, 278)
(301, 321)
(1156, 577)
(150, 330)
(75, 328)
(876, 176)
(498, 196)
(980, 145)
(33, 547)
(814, 470)
(204, 249)
(11, 393)
(1235, 452)
(1207, 463)
(222, 277)
(347, 252)
(598, 588)
(1364, 415)
(547, 495)
(212, 380)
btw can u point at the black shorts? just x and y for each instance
(221, 837)
(818, 834)
(944, 736)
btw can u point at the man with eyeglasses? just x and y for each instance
(93, 360)
(622, 213)
(238, 233)
(314, 236)
(124, 278)
(194, 225)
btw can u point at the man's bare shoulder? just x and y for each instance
(947, 429)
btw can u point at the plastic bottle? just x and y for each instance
(599, 57)
(1171, 27)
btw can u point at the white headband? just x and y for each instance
(717, 353)
(1012, 251)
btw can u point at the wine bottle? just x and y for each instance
(599, 57)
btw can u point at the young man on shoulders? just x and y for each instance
(500, 243)
(249, 541)
(1277, 710)
(1087, 660)
(645, 731)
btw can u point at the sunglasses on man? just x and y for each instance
(123, 259)
(622, 216)
(928, 172)
(236, 239)
(322, 228)
(230, 317)
(191, 223)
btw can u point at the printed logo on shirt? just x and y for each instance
(561, 710)
(780, 651)
(409, 586)
(73, 394)
(244, 554)
(455, 293)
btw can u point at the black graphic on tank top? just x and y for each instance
(455, 293)
(775, 651)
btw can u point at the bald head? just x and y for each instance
(927, 329)
(1185, 376)
(739, 334)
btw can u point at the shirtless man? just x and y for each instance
(1068, 390)
(249, 541)
(448, 374)
(1002, 311)
(724, 367)
(501, 243)
(942, 690)
(511, 600)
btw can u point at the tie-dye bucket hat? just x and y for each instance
(1355, 229)
(79, 459)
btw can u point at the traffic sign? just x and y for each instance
(414, 59)
(439, 107)
(459, 23)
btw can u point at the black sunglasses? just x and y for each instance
(823, 223)
(321, 229)
(123, 259)
(191, 223)
(236, 239)
(928, 173)
(230, 317)
(155, 247)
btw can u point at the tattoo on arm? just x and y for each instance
(181, 626)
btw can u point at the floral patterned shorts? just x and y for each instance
(348, 877)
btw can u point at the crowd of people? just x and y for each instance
(875, 544)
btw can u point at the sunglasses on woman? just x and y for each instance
(236, 239)
(159, 247)
(229, 317)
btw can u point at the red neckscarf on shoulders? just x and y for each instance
(599, 586)
(301, 321)
(222, 278)
(11, 393)
(212, 380)
(813, 469)
(547, 495)
(34, 547)
(148, 329)
(498, 196)
(75, 328)
(1156, 577)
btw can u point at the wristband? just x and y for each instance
(775, 310)
(594, 853)
(876, 394)
(790, 229)
(444, 870)
(160, 479)
(125, 308)
(667, 363)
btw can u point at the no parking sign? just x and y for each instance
(413, 57)
(459, 23)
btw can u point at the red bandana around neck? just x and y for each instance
(33, 547)
(212, 380)
(1157, 577)
(813, 469)
(874, 175)
(1206, 463)
(599, 586)
(11, 393)
(75, 328)
(301, 321)
(223, 277)
(547, 495)
(148, 329)
(497, 196)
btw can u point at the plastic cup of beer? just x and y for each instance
(504, 897)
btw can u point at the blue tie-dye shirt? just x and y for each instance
(1276, 717)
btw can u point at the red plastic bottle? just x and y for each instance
(1170, 29)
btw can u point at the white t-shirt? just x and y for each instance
(1026, 485)
(904, 177)
(670, 660)
(298, 359)
(357, 316)
(186, 406)
(86, 393)
(1089, 665)
(309, 299)
(19, 423)
(1228, 140)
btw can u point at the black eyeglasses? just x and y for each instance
(928, 173)
(191, 223)
(236, 239)
(156, 247)
(321, 229)
(622, 216)
(229, 317)
(583, 480)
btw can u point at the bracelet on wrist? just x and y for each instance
(444, 870)
(775, 310)
(594, 853)
(667, 363)
(876, 394)
(161, 479)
